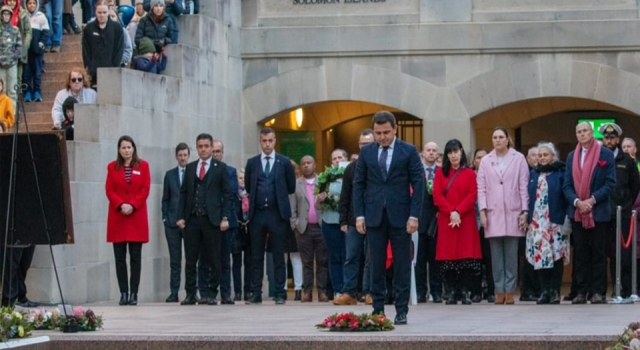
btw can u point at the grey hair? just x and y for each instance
(630, 140)
(550, 147)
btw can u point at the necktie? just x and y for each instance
(203, 171)
(429, 173)
(267, 168)
(382, 161)
(181, 176)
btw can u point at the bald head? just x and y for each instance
(308, 167)
(429, 153)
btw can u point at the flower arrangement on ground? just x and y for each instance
(86, 320)
(329, 175)
(14, 324)
(629, 339)
(350, 322)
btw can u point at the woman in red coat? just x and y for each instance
(458, 242)
(127, 187)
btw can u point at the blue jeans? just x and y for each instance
(87, 10)
(335, 243)
(355, 247)
(32, 73)
(54, 16)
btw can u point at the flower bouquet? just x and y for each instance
(14, 324)
(43, 319)
(329, 175)
(350, 322)
(86, 320)
(629, 339)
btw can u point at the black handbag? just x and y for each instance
(432, 229)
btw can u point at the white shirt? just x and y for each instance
(272, 158)
(389, 152)
(583, 154)
(206, 166)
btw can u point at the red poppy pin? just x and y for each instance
(602, 163)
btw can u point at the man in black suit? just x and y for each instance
(170, 201)
(203, 212)
(269, 180)
(427, 237)
(386, 211)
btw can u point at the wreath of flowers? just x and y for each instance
(629, 339)
(86, 320)
(350, 322)
(329, 175)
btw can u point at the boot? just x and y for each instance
(298, 295)
(73, 25)
(66, 28)
(452, 281)
(465, 296)
(499, 299)
(124, 299)
(554, 297)
(452, 299)
(508, 299)
(544, 298)
(133, 299)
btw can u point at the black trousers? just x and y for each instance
(267, 222)
(241, 282)
(590, 258)
(174, 242)
(427, 256)
(16, 264)
(203, 247)
(550, 279)
(379, 237)
(487, 270)
(135, 259)
(530, 284)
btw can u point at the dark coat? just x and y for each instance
(557, 201)
(159, 33)
(285, 182)
(429, 209)
(372, 193)
(171, 197)
(102, 47)
(627, 184)
(346, 204)
(172, 11)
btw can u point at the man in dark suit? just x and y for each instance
(385, 209)
(203, 214)
(170, 201)
(427, 240)
(589, 180)
(203, 272)
(269, 180)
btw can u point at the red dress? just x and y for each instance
(134, 227)
(463, 242)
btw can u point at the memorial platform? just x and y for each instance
(431, 326)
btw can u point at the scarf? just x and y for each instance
(16, 13)
(555, 166)
(582, 178)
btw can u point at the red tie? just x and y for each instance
(203, 171)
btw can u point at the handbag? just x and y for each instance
(432, 229)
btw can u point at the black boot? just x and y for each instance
(298, 295)
(544, 298)
(133, 299)
(73, 25)
(554, 297)
(465, 296)
(124, 299)
(66, 28)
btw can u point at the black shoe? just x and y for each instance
(254, 300)
(400, 319)
(247, 296)
(569, 297)
(528, 297)
(212, 301)
(27, 303)
(476, 298)
(491, 298)
(545, 298)
(465, 298)
(133, 299)
(598, 299)
(279, 300)
(437, 298)
(453, 298)
(298, 295)
(579, 299)
(237, 297)
(124, 299)
(227, 301)
(554, 297)
(422, 299)
(173, 298)
(189, 300)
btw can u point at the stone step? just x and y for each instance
(62, 56)
(35, 107)
(53, 66)
(34, 127)
(38, 118)
(55, 75)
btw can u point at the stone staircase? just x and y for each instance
(57, 66)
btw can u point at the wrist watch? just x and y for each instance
(224, 218)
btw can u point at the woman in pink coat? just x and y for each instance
(503, 203)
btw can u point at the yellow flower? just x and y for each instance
(20, 331)
(17, 315)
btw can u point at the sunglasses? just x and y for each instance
(76, 80)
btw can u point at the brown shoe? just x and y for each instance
(499, 299)
(508, 299)
(345, 299)
(306, 298)
(322, 298)
(368, 300)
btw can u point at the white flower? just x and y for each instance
(634, 344)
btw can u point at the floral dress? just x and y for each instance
(546, 242)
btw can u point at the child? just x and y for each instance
(32, 74)
(68, 110)
(148, 60)
(7, 116)
(10, 52)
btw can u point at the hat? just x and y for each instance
(610, 129)
(146, 46)
(6, 8)
(68, 103)
(153, 3)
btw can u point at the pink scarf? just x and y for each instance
(582, 178)
(244, 200)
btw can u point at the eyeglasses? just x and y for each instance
(76, 80)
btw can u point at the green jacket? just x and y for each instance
(24, 25)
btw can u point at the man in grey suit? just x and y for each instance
(386, 210)
(170, 198)
(305, 222)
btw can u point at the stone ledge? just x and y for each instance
(210, 34)
(555, 15)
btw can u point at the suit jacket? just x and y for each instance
(233, 186)
(503, 195)
(300, 206)
(346, 202)
(429, 209)
(372, 193)
(285, 182)
(603, 183)
(171, 197)
(133, 227)
(218, 197)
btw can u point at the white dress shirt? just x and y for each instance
(272, 159)
(389, 152)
